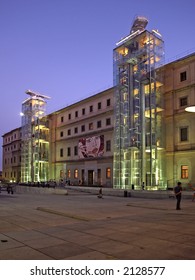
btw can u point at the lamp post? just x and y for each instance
(190, 109)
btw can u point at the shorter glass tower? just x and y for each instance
(35, 139)
(139, 133)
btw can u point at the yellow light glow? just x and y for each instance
(122, 51)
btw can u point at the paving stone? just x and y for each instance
(23, 253)
(148, 229)
(63, 251)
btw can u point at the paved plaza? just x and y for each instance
(79, 226)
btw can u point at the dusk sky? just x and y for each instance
(63, 48)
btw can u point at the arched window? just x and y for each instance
(108, 173)
(76, 173)
(68, 173)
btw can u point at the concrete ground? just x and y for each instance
(80, 226)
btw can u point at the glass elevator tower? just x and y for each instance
(35, 138)
(139, 133)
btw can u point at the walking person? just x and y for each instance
(100, 194)
(178, 192)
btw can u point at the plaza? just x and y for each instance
(76, 225)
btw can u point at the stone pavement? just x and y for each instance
(79, 226)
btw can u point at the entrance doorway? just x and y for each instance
(90, 177)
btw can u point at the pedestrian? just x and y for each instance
(143, 186)
(100, 195)
(178, 192)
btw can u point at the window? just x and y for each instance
(183, 134)
(108, 102)
(99, 105)
(108, 173)
(83, 128)
(76, 114)
(69, 131)
(183, 101)
(108, 121)
(61, 152)
(91, 108)
(76, 173)
(83, 111)
(76, 150)
(108, 146)
(76, 130)
(61, 133)
(62, 119)
(68, 151)
(90, 126)
(68, 173)
(183, 76)
(184, 172)
(69, 116)
(99, 124)
(61, 173)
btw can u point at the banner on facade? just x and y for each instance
(91, 147)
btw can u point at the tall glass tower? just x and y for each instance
(138, 135)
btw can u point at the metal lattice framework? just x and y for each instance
(35, 138)
(138, 81)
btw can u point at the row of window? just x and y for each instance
(11, 148)
(10, 138)
(83, 111)
(184, 173)
(90, 127)
(108, 149)
(11, 160)
(10, 175)
(76, 173)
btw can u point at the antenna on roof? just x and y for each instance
(36, 94)
(139, 23)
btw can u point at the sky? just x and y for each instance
(64, 48)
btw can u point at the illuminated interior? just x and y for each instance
(35, 139)
(138, 135)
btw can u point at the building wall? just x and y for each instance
(179, 92)
(86, 125)
(12, 155)
(180, 125)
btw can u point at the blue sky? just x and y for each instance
(63, 48)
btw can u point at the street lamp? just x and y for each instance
(190, 109)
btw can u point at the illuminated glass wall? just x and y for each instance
(139, 133)
(35, 140)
